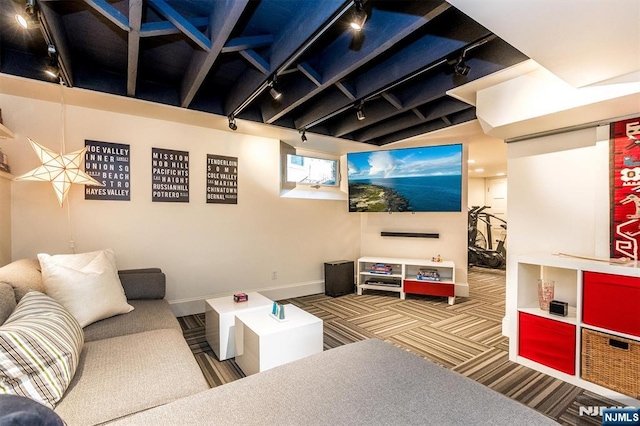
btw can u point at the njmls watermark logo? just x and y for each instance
(621, 416)
(613, 415)
(595, 411)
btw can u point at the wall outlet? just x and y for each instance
(274, 275)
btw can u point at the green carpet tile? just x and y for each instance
(465, 337)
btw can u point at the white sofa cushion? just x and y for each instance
(40, 346)
(86, 284)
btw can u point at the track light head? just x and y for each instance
(460, 68)
(359, 16)
(303, 135)
(275, 93)
(360, 112)
(26, 19)
(232, 122)
(30, 8)
(52, 69)
(22, 21)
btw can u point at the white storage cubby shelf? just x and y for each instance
(403, 277)
(567, 274)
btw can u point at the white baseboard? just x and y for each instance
(462, 290)
(505, 327)
(195, 305)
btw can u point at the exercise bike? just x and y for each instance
(481, 251)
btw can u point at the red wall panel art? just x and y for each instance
(625, 188)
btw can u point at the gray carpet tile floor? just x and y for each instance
(465, 337)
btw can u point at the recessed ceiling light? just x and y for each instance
(479, 170)
(470, 161)
(500, 174)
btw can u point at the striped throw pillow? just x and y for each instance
(40, 346)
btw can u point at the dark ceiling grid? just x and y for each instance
(447, 37)
(384, 29)
(221, 57)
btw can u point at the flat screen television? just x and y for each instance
(421, 179)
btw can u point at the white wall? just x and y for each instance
(205, 249)
(476, 192)
(558, 198)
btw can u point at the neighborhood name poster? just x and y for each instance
(625, 188)
(108, 163)
(169, 175)
(222, 179)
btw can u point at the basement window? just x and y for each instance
(310, 175)
(311, 171)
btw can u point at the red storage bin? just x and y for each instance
(549, 342)
(611, 302)
(429, 288)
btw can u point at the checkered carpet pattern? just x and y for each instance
(465, 337)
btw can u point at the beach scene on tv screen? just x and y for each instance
(424, 179)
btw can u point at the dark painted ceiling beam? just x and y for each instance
(347, 90)
(223, 18)
(486, 59)
(307, 27)
(255, 60)
(392, 99)
(133, 53)
(455, 119)
(161, 28)
(244, 43)
(53, 31)
(418, 113)
(110, 12)
(183, 24)
(310, 73)
(436, 110)
(422, 54)
(412, 96)
(339, 60)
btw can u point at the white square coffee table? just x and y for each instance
(220, 321)
(262, 342)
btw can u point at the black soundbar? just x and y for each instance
(409, 234)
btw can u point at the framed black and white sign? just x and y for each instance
(169, 175)
(222, 179)
(108, 163)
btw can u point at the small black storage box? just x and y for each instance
(338, 278)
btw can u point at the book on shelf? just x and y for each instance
(381, 268)
(425, 274)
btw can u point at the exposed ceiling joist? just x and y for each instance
(223, 56)
(244, 43)
(339, 61)
(255, 60)
(223, 18)
(110, 12)
(180, 22)
(135, 20)
(162, 28)
(309, 26)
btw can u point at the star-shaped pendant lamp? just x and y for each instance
(60, 169)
